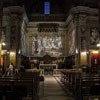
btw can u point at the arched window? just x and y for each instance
(46, 7)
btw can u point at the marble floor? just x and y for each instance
(51, 90)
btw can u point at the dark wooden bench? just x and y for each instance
(81, 85)
(25, 84)
(90, 86)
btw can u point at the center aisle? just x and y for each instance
(52, 90)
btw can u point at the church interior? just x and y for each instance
(50, 49)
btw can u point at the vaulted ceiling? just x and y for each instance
(57, 6)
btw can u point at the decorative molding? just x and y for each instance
(84, 10)
(45, 18)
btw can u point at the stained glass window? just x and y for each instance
(47, 7)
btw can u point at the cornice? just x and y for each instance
(84, 10)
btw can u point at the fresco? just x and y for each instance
(47, 44)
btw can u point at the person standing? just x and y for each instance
(11, 69)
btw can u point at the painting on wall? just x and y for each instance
(94, 36)
(47, 44)
(71, 42)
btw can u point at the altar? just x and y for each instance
(48, 69)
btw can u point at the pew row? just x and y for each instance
(81, 85)
(19, 86)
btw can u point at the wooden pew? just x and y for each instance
(81, 85)
(33, 86)
(27, 80)
(90, 86)
(70, 79)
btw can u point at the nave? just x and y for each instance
(50, 89)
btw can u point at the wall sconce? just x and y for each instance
(83, 53)
(12, 53)
(19, 52)
(3, 43)
(76, 51)
(98, 45)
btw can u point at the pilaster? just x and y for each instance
(15, 14)
(82, 20)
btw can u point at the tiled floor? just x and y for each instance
(51, 90)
